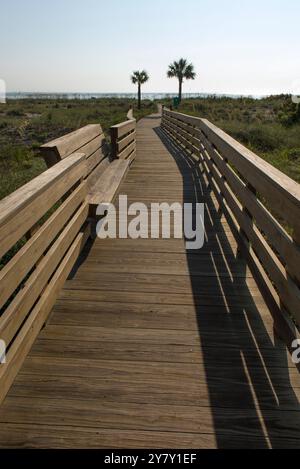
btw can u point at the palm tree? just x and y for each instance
(181, 70)
(139, 78)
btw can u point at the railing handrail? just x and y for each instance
(45, 222)
(123, 140)
(288, 189)
(14, 223)
(247, 188)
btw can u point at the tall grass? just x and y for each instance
(26, 124)
(270, 127)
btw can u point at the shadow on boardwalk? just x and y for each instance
(247, 374)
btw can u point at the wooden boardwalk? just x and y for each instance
(150, 345)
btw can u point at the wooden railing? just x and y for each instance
(43, 227)
(89, 140)
(262, 206)
(123, 140)
(48, 248)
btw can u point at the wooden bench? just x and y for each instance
(105, 169)
(105, 189)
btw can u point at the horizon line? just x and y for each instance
(204, 93)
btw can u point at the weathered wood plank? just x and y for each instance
(22, 209)
(66, 145)
(147, 417)
(128, 151)
(288, 290)
(15, 271)
(124, 128)
(121, 144)
(17, 310)
(277, 236)
(106, 187)
(279, 190)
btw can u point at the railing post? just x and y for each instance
(123, 140)
(114, 140)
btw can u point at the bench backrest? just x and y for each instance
(123, 140)
(89, 140)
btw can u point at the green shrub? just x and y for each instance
(4, 125)
(15, 113)
(293, 154)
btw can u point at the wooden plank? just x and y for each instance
(280, 190)
(190, 129)
(121, 144)
(187, 128)
(283, 322)
(91, 147)
(148, 315)
(97, 172)
(189, 337)
(131, 157)
(27, 335)
(183, 137)
(22, 209)
(183, 141)
(94, 160)
(124, 128)
(106, 187)
(177, 354)
(282, 193)
(191, 120)
(166, 389)
(190, 418)
(145, 370)
(72, 142)
(55, 436)
(288, 291)
(15, 271)
(276, 235)
(16, 312)
(128, 151)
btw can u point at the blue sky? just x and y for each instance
(248, 47)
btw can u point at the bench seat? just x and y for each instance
(106, 187)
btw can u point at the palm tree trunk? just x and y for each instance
(139, 96)
(180, 90)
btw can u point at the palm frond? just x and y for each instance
(181, 69)
(139, 77)
(189, 72)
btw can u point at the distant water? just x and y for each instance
(151, 96)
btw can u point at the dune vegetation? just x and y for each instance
(27, 124)
(270, 127)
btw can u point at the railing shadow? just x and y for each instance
(246, 370)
